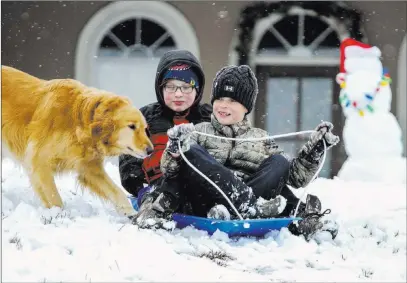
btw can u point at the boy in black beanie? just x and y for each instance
(253, 174)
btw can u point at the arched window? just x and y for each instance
(300, 34)
(127, 58)
(127, 39)
(119, 48)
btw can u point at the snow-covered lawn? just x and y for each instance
(88, 242)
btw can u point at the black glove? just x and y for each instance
(324, 132)
(312, 151)
(180, 133)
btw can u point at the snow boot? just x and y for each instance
(154, 213)
(270, 208)
(262, 209)
(219, 212)
(310, 222)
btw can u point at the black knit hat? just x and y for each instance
(238, 83)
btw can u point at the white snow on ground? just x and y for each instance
(88, 241)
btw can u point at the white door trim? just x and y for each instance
(294, 61)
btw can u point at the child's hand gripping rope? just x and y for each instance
(179, 133)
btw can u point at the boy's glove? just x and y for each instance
(180, 132)
(312, 151)
(324, 131)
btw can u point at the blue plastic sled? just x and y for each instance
(250, 227)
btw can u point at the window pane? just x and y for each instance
(316, 102)
(290, 147)
(313, 28)
(316, 105)
(288, 28)
(151, 32)
(131, 77)
(107, 43)
(282, 100)
(269, 40)
(326, 169)
(331, 40)
(125, 31)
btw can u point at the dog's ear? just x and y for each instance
(93, 108)
(101, 131)
(96, 130)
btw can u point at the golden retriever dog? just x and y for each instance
(55, 126)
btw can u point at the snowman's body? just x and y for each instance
(372, 136)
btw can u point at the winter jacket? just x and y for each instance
(135, 172)
(244, 157)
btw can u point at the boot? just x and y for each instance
(220, 212)
(270, 208)
(310, 222)
(262, 209)
(152, 214)
(312, 205)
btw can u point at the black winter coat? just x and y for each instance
(135, 172)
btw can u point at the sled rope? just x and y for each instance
(252, 139)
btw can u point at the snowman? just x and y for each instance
(371, 134)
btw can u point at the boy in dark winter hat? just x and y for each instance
(179, 86)
(253, 174)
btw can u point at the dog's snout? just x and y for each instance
(149, 150)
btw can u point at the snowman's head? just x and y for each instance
(364, 92)
(364, 82)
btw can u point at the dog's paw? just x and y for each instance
(127, 211)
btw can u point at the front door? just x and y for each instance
(295, 99)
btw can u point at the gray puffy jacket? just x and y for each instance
(243, 157)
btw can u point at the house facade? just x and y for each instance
(293, 48)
